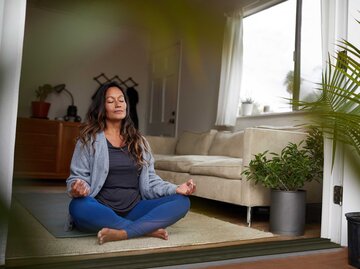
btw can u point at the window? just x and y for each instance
(311, 54)
(269, 45)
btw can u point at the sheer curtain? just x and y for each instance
(231, 71)
(334, 17)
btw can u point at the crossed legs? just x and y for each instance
(148, 217)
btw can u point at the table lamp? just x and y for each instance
(72, 109)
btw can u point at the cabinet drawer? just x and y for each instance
(38, 126)
(35, 152)
(35, 165)
(36, 139)
(43, 148)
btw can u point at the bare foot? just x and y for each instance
(108, 235)
(160, 233)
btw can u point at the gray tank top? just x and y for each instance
(120, 191)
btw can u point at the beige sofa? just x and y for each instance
(215, 160)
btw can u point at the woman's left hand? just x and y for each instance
(187, 188)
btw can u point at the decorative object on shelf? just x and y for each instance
(285, 174)
(247, 107)
(129, 87)
(72, 109)
(266, 109)
(40, 108)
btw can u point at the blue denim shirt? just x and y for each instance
(93, 168)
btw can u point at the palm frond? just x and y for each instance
(337, 109)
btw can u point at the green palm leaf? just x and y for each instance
(337, 109)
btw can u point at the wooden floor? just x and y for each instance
(330, 260)
(260, 217)
(237, 215)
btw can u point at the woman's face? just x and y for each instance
(115, 104)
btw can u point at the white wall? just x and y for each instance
(12, 21)
(351, 190)
(351, 176)
(201, 36)
(200, 81)
(62, 47)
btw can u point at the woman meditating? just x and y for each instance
(112, 181)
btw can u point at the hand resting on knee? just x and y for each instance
(79, 189)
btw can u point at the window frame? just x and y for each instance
(297, 47)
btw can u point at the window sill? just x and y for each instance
(272, 114)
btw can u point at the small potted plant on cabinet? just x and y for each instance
(247, 106)
(286, 174)
(40, 108)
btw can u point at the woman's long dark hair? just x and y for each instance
(96, 122)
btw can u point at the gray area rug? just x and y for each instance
(194, 229)
(51, 210)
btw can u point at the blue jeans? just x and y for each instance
(146, 217)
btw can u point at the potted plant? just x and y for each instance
(285, 174)
(40, 108)
(247, 106)
(337, 113)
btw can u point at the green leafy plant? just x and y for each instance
(314, 144)
(43, 91)
(289, 170)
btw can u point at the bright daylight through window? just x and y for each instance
(268, 65)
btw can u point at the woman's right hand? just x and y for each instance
(79, 188)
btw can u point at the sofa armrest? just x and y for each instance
(162, 144)
(257, 140)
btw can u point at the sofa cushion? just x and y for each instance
(190, 143)
(162, 144)
(158, 157)
(182, 163)
(228, 144)
(225, 168)
(173, 177)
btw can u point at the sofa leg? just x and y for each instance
(248, 216)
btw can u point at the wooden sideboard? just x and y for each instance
(44, 148)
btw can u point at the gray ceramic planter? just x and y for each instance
(287, 212)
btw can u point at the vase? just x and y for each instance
(39, 109)
(287, 212)
(246, 109)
